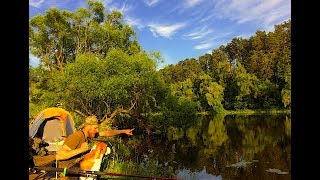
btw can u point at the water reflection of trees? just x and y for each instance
(287, 125)
(259, 138)
(258, 132)
(215, 142)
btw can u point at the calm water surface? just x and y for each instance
(229, 147)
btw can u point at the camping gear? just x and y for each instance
(52, 125)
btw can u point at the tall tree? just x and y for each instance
(57, 37)
(100, 87)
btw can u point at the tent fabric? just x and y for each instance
(52, 125)
(53, 134)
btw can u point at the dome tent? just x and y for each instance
(52, 125)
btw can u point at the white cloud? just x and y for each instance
(212, 43)
(187, 5)
(151, 2)
(46, 4)
(36, 3)
(203, 46)
(199, 33)
(277, 16)
(208, 52)
(218, 36)
(270, 27)
(265, 12)
(165, 30)
(191, 3)
(245, 36)
(256, 11)
(134, 22)
(124, 8)
(106, 2)
(208, 17)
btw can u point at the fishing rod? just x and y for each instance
(88, 172)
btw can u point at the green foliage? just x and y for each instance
(101, 86)
(92, 62)
(174, 133)
(261, 65)
(245, 83)
(286, 97)
(246, 69)
(179, 112)
(215, 96)
(97, 9)
(187, 69)
(41, 91)
(220, 67)
(210, 93)
(259, 41)
(57, 37)
(183, 89)
(267, 95)
(206, 63)
(34, 109)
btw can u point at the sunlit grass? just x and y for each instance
(250, 112)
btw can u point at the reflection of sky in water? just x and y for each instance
(202, 175)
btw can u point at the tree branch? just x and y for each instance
(119, 110)
(81, 113)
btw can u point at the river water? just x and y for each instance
(225, 147)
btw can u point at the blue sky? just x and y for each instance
(181, 29)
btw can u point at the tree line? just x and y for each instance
(91, 62)
(253, 73)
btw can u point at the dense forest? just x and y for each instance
(252, 73)
(92, 63)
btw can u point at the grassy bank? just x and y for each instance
(242, 112)
(258, 111)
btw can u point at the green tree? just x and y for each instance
(283, 64)
(210, 93)
(258, 41)
(238, 50)
(206, 62)
(246, 83)
(221, 68)
(102, 86)
(57, 37)
(184, 88)
(50, 38)
(260, 65)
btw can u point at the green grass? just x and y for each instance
(258, 111)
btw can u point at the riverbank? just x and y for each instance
(258, 111)
(251, 112)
